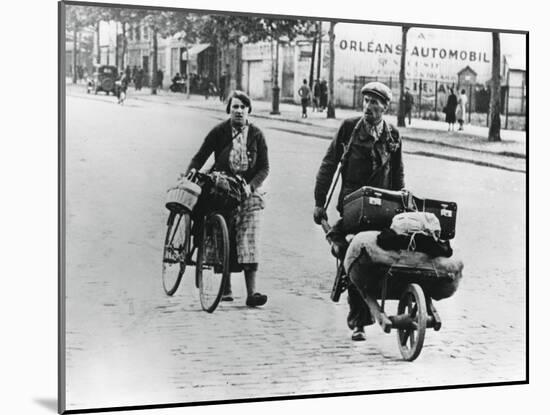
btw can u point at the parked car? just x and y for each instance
(104, 80)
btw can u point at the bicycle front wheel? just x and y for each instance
(212, 261)
(176, 245)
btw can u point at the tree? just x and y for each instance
(279, 31)
(153, 20)
(402, 76)
(331, 111)
(310, 30)
(164, 24)
(225, 31)
(77, 18)
(494, 106)
(127, 17)
(94, 16)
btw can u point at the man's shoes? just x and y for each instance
(358, 334)
(256, 300)
(227, 297)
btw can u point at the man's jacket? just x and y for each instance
(364, 157)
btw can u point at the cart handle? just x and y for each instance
(326, 227)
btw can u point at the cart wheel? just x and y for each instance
(413, 304)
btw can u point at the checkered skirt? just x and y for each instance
(244, 225)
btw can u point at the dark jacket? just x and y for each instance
(218, 141)
(359, 165)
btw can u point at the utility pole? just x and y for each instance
(331, 111)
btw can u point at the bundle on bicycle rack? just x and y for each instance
(222, 192)
(214, 191)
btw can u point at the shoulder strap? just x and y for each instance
(346, 146)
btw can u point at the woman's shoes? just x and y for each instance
(358, 334)
(256, 300)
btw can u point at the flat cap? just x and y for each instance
(378, 89)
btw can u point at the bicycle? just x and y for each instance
(201, 230)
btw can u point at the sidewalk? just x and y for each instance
(431, 137)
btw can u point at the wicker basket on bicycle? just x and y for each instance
(184, 196)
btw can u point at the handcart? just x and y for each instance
(412, 278)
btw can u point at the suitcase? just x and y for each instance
(371, 208)
(445, 212)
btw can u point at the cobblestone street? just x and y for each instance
(122, 328)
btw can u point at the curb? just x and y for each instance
(414, 139)
(460, 159)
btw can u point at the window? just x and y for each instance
(137, 32)
(145, 32)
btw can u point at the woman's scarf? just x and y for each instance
(238, 156)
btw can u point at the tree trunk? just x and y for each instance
(402, 77)
(494, 107)
(319, 50)
(188, 80)
(155, 63)
(227, 58)
(312, 66)
(218, 65)
(75, 51)
(116, 47)
(331, 112)
(124, 46)
(98, 59)
(239, 67)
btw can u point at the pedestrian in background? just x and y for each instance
(324, 95)
(222, 87)
(450, 110)
(408, 102)
(204, 87)
(461, 109)
(211, 89)
(370, 150)
(122, 87)
(305, 94)
(240, 148)
(139, 79)
(316, 95)
(160, 78)
(128, 73)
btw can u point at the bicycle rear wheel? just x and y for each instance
(212, 269)
(176, 245)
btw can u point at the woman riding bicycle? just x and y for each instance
(240, 148)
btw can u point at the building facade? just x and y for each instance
(436, 60)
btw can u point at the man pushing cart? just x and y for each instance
(377, 258)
